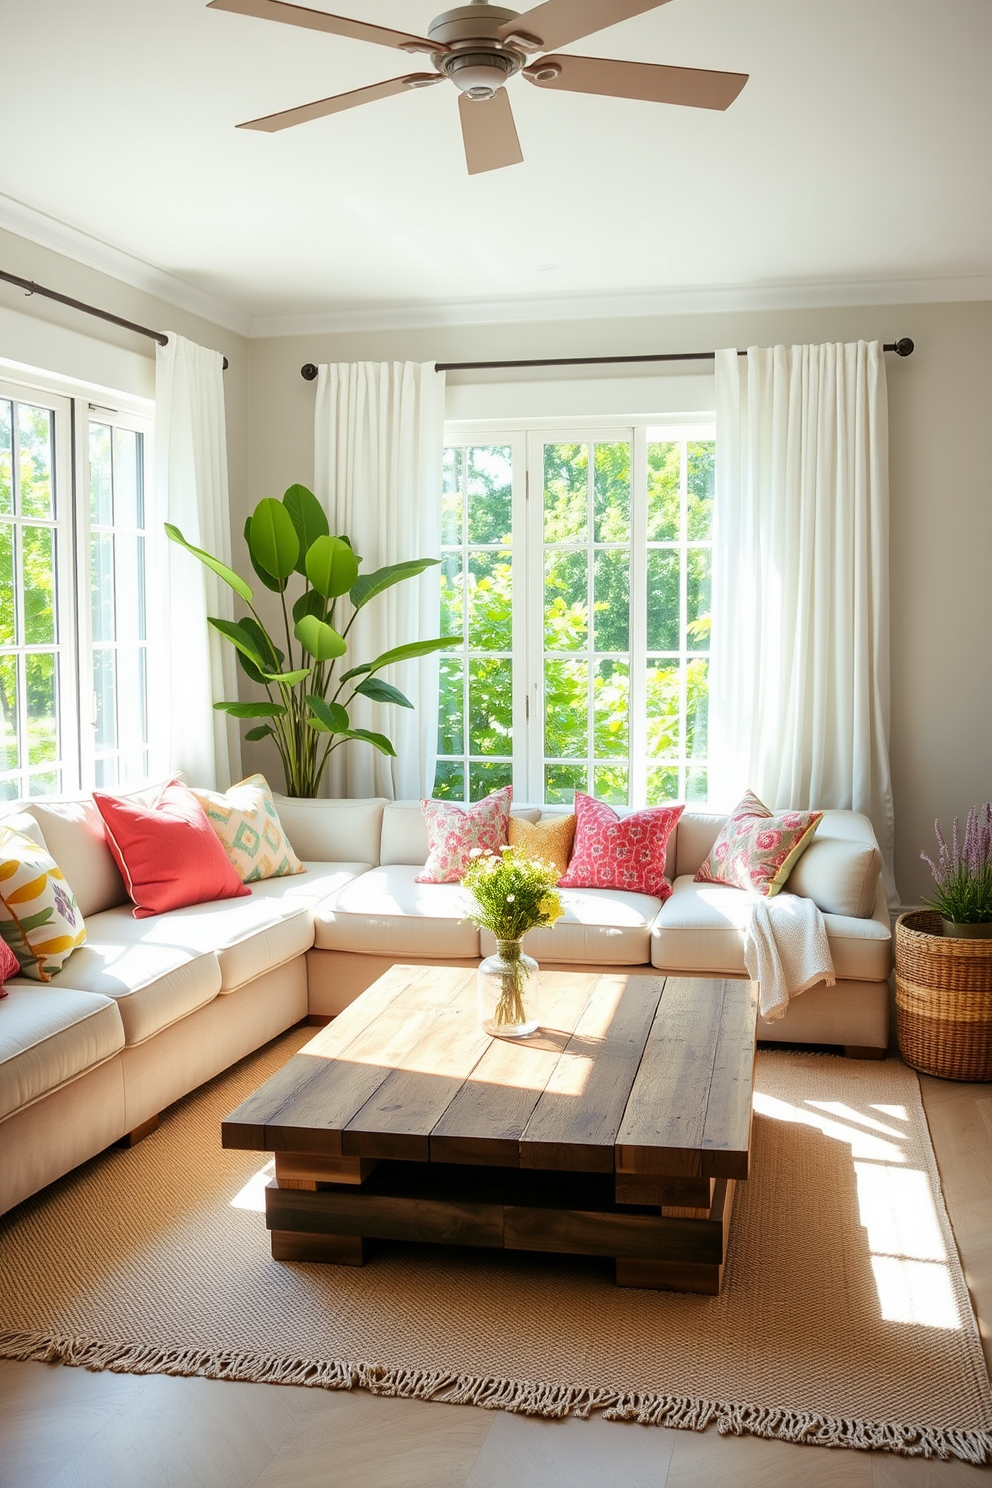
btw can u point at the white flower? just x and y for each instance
(511, 898)
(476, 852)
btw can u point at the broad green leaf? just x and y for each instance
(253, 735)
(358, 671)
(276, 585)
(322, 641)
(272, 538)
(251, 710)
(332, 715)
(267, 648)
(331, 566)
(379, 740)
(222, 571)
(308, 518)
(383, 692)
(288, 679)
(411, 650)
(250, 669)
(310, 603)
(241, 638)
(369, 585)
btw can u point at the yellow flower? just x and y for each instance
(550, 908)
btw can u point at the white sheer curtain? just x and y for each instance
(191, 487)
(378, 438)
(799, 679)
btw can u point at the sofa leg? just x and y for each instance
(862, 1051)
(132, 1138)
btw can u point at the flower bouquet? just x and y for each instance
(510, 895)
(963, 876)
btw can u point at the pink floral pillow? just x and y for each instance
(757, 850)
(454, 831)
(613, 852)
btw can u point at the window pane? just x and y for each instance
(664, 462)
(562, 781)
(35, 430)
(700, 483)
(566, 700)
(8, 607)
(6, 464)
(490, 620)
(140, 597)
(697, 708)
(102, 586)
(9, 790)
(41, 672)
(663, 599)
(696, 785)
(486, 778)
(452, 594)
(449, 781)
(698, 564)
(47, 784)
(105, 772)
(37, 562)
(663, 786)
(566, 492)
(611, 709)
(489, 488)
(450, 724)
(663, 700)
(10, 753)
(129, 503)
(611, 591)
(611, 783)
(611, 492)
(101, 480)
(105, 691)
(566, 601)
(490, 707)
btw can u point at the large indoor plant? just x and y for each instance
(306, 710)
(963, 876)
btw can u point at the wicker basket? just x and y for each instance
(943, 999)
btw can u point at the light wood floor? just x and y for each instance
(65, 1428)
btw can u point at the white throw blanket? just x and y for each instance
(786, 951)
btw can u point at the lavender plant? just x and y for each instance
(963, 870)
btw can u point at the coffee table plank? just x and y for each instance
(576, 1121)
(488, 1116)
(644, 1236)
(730, 1108)
(665, 1130)
(384, 1217)
(397, 1120)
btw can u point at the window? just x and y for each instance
(73, 632)
(576, 567)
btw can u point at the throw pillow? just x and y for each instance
(455, 832)
(550, 839)
(168, 853)
(613, 852)
(757, 849)
(41, 921)
(249, 830)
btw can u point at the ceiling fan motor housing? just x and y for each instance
(478, 62)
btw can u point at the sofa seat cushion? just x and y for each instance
(316, 882)
(609, 927)
(153, 982)
(48, 1036)
(700, 930)
(386, 912)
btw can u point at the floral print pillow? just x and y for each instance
(454, 832)
(39, 917)
(758, 850)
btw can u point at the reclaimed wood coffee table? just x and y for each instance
(619, 1129)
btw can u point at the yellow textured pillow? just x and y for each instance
(247, 823)
(41, 922)
(550, 839)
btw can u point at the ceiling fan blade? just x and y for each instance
(557, 22)
(336, 105)
(683, 85)
(319, 20)
(489, 133)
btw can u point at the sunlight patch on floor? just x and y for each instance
(252, 1196)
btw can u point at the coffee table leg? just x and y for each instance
(299, 1245)
(669, 1276)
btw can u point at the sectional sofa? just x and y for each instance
(146, 1010)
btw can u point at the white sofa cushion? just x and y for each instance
(317, 882)
(610, 927)
(840, 869)
(332, 831)
(404, 833)
(385, 912)
(75, 837)
(694, 837)
(48, 1036)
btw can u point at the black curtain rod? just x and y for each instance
(53, 294)
(308, 371)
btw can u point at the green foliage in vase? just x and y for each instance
(306, 712)
(511, 893)
(963, 870)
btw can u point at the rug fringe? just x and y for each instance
(527, 1397)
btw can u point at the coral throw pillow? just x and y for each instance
(455, 832)
(756, 849)
(550, 839)
(9, 965)
(168, 853)
(40, 920)
(613, 852)
(249, 830)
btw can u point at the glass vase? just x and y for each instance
(507, 983)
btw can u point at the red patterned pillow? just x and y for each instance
(613, 852)
(756, 849)
(9, 965)
(453, 832)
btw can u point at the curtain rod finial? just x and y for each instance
(904, 347)
(308, 372)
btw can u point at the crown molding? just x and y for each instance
(634, 305)
(48, 232)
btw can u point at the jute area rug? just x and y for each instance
(844, 1318)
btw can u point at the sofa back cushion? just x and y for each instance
(323, 831)
(404, 832)
(73, 833)
(840, 869)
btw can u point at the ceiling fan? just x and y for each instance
(480, 46)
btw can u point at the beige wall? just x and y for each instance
(940, 402)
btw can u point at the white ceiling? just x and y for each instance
(857, 153)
